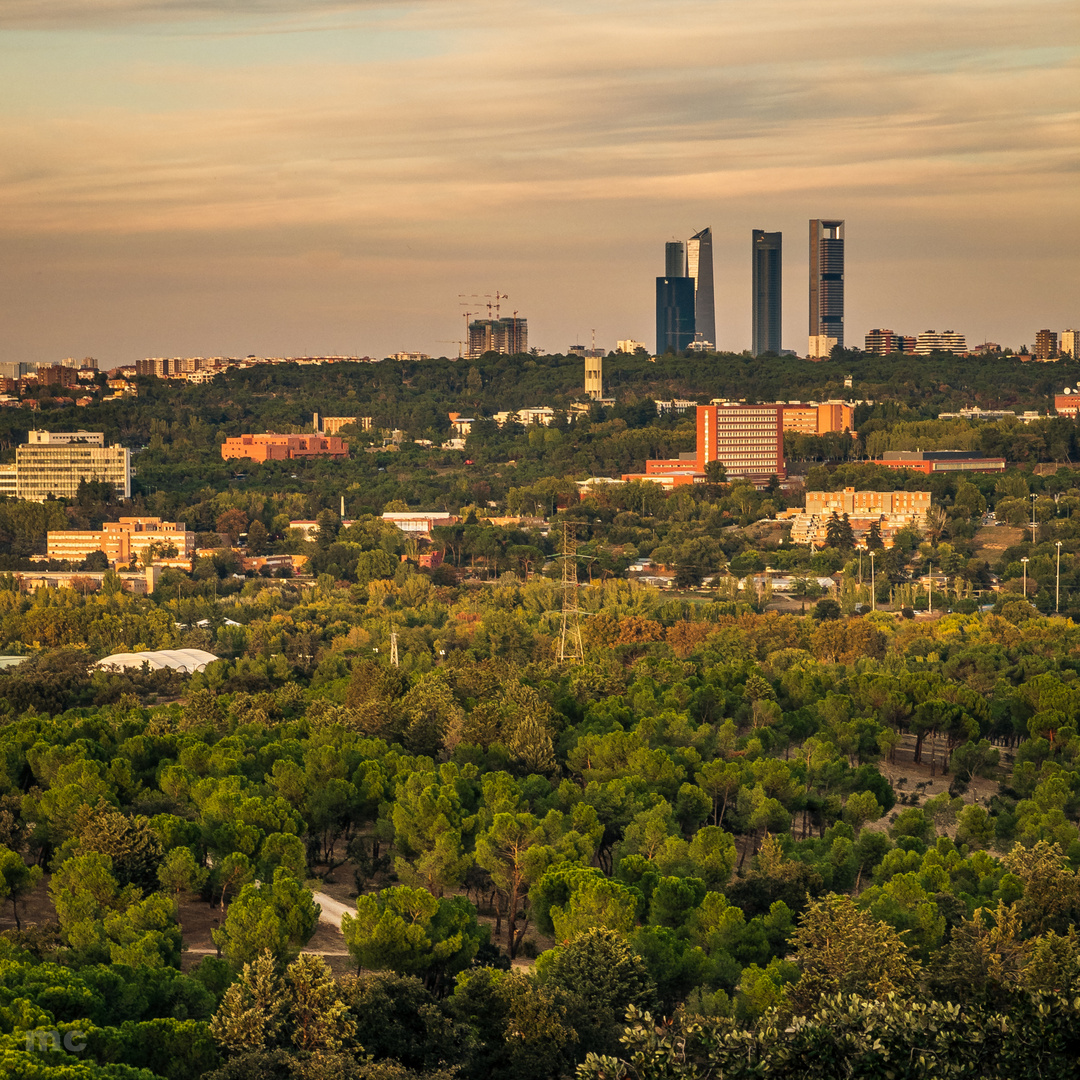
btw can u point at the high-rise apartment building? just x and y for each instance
(931, 341)
(1069, 343)
(509, 337)
(699, 264)
(826, 281)
(1046, 345)
(885, 343)
(55, 463)
(766, 288)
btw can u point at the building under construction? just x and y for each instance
(506, 336)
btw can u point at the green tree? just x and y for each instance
(254, 1009)
(280, 916)
(840, 949)
(503, 850)
(602, 976)
(413, 933)
(319, 1016)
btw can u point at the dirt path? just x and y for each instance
(332, 910)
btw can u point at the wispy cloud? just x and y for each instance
(451, 127)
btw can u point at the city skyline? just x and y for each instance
(186, 178)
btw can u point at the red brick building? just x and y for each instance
(748, 440)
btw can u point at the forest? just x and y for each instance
(739, 835)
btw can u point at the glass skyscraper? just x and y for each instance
(674, 314)
(766, 292)
(700, 269)
(827, 279)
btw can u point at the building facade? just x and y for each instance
(699, 267)
(885, 343)
(119, 540)
(331, 425)
(594, 375)
(509, 337)
(827, 280)
(675, 259)
(890, 510)
(675, 324)
(272, 447)
(54, 464)
(1068, 343)
(931, 341)
(748, 440)
(940, 461)
(818, 417)
(766, 304)
(1046, 345)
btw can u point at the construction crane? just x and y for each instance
(451, 341)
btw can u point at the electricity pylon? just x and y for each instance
(571, 646)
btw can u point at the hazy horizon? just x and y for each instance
(300, 177)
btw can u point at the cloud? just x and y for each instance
(523, 134)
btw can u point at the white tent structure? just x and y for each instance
(186, 660)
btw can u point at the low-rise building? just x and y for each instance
(819, 417)
(890, 510)
(938, 461)
(122, 539)
(418, 521)
(270, 447)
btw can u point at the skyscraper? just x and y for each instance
(699, 267)
(674, 313)
(767, 290)
(827, 280)
(675, 259)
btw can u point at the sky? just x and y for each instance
(302, 177)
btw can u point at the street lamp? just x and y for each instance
(1025, 562)
(1033, 524)
(930, 568)
(873, 597)
(1057, 587)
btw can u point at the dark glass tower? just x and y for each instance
(700, 268)
(767, 292)
(674, 313)
(675, 259)
(827, 279)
